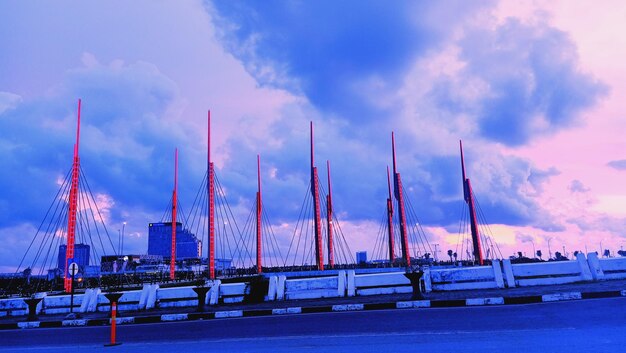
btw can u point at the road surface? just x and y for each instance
(597, 325)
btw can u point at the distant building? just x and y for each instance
(160, 241)
(361, 257)
(81, 256)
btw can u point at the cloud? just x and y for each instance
(530, 77)
(578, 186)
(618, 164)
(129, 129)
(523, 238)
(8, 101)
(334, 52)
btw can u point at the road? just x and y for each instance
(597, 325)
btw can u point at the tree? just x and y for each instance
(450, 254)
(539, 254)
(455, 256)
(621, 252)
(607, 252)
(519, 254)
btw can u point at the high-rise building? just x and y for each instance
(361, 257)
(160, 241)
(81, 256)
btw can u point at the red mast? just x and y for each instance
(174, 203)
(390, 220)
(406, 257)
(211, 201)
(329, 219)
(73, 205)
(258, 216)
(469, 199)
(316, 206)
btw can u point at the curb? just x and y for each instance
(194, 316)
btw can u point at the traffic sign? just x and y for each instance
(73, 269)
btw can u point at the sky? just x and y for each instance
(535, 90)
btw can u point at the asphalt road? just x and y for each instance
(597, 325)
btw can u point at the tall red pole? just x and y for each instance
(329, 219)
(73, 205)
(258, 217)
(211, 201)
(174, 204)
(406, 256)
(390, 220)
(469, 199)
(316, 206)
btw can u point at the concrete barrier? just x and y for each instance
(233, 292)
(175, 297)
(312, 288)
(13, 307)
(90, 300)
(382, 283)
(271, 289)
(280, 287)
(463, 278)
(608, 268)
(213, 295)
(546, 273)
(350, 286)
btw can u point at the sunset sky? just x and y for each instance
(535, 89)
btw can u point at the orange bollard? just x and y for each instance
(113, 322)
(113, 298)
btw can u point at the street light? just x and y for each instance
(549, 251)
(123, 226)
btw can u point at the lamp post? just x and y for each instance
(123, 227)
(549, 251)
(601, 249)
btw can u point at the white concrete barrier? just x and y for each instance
(175, 297)
(13, 307)
(350, 286)
(341, 284)
(233, 292)
(612, 268)
(60, 304)
(90, 300)
(280, 287)
(508, 273)
(271, 289)
(312, 288)
(463, 278)
(152, 296)
(382, 283)
(595, 267)
(553, 272)
(213, 296)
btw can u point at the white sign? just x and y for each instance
(73, 269)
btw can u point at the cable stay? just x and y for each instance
(308, 254)
(42, 265)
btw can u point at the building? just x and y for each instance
(361, 257)
(81, 256)
(160, 241)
